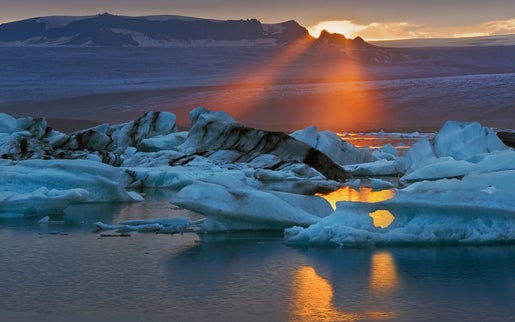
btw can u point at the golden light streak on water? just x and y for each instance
(312, 297)
(383, 273)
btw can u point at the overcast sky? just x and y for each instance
(378, 18)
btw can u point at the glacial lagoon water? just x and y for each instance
(63, 271)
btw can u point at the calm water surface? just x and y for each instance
(63, 271)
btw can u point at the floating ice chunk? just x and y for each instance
(218, 137)
(40, 201)
(420, 154)
(180, 176)
(102, 226)
(378, 184)
(135, 196)
(448, 167)
(476, 209)
(345, 228)
(102, 182)
(457, 149)
(175, 224)
(386, 152)
(44, 221)
(150, 159)
(161, 225)
(7, 123)
(354, 184)
(377, 168)
(341, 152)
(465, 140)
(163, 142)
(232, 206)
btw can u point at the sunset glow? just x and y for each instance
(390, 30)
(344, 27)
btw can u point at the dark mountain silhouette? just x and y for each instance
(327, 39)
(110, 30)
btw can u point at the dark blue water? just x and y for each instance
(63, 271)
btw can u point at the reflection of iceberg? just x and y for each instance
(312, 297)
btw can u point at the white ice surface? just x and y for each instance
(159, 225)
(477, 209)
(97, 182)
(163, 142)
(41, 201)
(341, 152)
(381, 167)
(229, 204)
(457, 149)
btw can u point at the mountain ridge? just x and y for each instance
(157, 30)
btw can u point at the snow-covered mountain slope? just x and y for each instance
(167, 30)
(497, 40)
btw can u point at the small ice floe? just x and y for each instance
(160, 225)
(378, 184)
(44, 221)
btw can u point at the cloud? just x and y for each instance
(407, 30)
(500, 27)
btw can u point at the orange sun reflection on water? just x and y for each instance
(312, 301)
(383, 273)
(364, 194)
(381, 218)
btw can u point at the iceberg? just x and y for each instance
(339, 151)
(460, 189)
(161, 225)
(475, 209)
(229, 205)
(457, 149)
(216, 135)
(456, 187)
(99, 163)
(95, 181)
(41, 201)
(29, 138)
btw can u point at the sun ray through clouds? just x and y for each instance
(348, 103)
(249, 88)
(301, 84)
